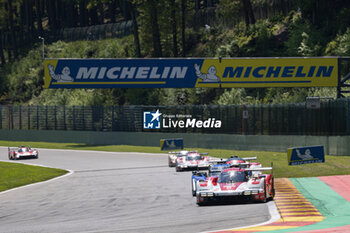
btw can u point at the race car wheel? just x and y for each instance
(264, 199)
(193, 187)
(10, 158)
(201, 201)
(272, 190)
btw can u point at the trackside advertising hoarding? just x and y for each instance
(172, 144)
(191, 72)
(305, 155)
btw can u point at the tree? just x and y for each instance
(131, 8)
(157, 48)
(39, 16)
(83, 13)
(248, 12)
(183, 27)
(12, 29)
(174, 28)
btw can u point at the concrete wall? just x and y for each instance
(334, 145)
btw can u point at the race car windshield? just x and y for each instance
(232, 177)
(192, 158)
(234, 158)
(217, 168)
(215, 173)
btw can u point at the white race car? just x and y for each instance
(193, 161)
(22, 152)
(174, 155)
(242, 184)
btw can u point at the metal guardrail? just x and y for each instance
(332, 118)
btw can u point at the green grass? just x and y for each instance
(334, 165)
(15, 174)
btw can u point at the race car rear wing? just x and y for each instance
(256, 172)
(259, 169)
(249, 158)
(217, 161)
(178, 152)
(246, 159)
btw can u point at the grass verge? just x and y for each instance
(13, 175)
(334, 165)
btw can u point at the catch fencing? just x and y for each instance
(95, 32)
(332, 118)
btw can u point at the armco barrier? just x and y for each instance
(334, 145)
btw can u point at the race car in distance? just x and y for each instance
(236, 161)
(22, 152)
(192, 161)
(236, 184)
(173, 155)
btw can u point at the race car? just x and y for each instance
(192, 161)
(236, 161)
(218, 165)
(22, 152)
(214, 170)
(173, 155)
(236, 184)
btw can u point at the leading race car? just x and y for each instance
(214, 170)
(218, 165)
(173, 155)
(236, 184)
(192, 161)
(22, 152)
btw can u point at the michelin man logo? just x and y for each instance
(209, 77)
(306, 156)
(151, 120)
(170, 144)
(64, 77)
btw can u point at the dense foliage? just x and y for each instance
(167, 28)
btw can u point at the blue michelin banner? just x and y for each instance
(305, 155)
(126, 73)
(172, 144)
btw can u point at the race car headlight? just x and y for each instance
(207, 194)
(247, 192)
(255, 192)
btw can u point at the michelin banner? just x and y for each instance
(305, 155)
(191, 72)
(172, 144)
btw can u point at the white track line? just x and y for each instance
(274, 217)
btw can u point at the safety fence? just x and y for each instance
(332, 118)
(95, 32)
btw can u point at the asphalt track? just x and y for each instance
(115, 192)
